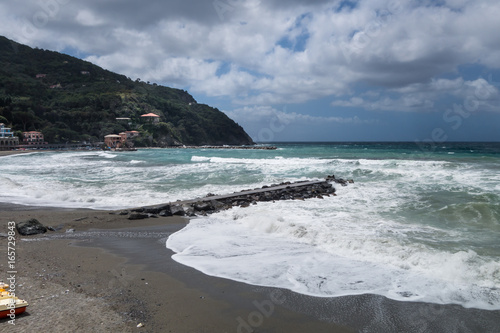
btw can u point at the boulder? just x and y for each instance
(164, 207)
(165, 213)
(30, 227)
(153, 210)
(268, 196)
(177, 210)
(189, 210)
(217, 205)
(202, 206)
(341, 182)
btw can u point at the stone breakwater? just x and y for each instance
(224, 147)
(212, 203)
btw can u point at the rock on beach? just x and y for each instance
(30, 227)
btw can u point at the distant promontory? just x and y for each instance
(71, 100)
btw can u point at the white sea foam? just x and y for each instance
(327, 252)
(200, 159)
(107, 155)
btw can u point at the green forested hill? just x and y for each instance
(74, 100)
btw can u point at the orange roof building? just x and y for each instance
(154, 118)
(132, 134)
(114, 140)
(150, 115)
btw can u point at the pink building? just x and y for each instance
(132, 134)
(114, 140)
(33, 138)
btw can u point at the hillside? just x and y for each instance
(71, 100)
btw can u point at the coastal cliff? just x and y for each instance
(71, 100)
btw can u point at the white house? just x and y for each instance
(7, 138)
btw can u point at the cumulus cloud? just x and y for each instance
(266, 123)
(273, 52)
(422, 96)
(283, 117)
(87, 18)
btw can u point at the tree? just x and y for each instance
(26, 118)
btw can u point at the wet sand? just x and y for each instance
(111, 274)
(14, 152)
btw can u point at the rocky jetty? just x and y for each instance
(213, 203)
(225, 147)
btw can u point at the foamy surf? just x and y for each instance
(317, 252)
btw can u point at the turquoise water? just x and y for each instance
(418, 224)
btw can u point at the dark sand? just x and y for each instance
(112, 274)
(14, 152)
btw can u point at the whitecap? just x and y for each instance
(328, 254)
(200, 159)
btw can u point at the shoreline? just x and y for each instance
(14, 152)
(229, 147)
(111, 273)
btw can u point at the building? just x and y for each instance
(125, 120)
(33, 138)
(5, 132)
(132, 134)
(151, 117)
(115, 141)
(123, 136)
(7, 139)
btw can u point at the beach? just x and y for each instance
(104, 273)
(75, 281)
(13, 152)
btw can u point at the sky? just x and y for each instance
(296, 70)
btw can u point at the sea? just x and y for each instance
(420, 223)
